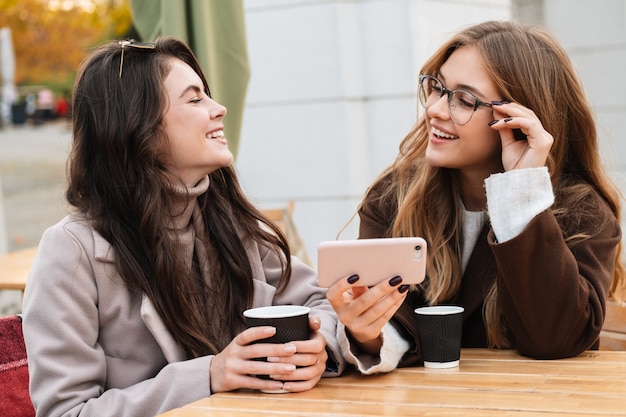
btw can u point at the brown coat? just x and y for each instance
(552, 293)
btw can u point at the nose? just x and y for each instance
(439, 109)
(216, 110)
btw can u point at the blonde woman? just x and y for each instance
(502, 176)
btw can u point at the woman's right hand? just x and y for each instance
(364, 311)
(530, 152)
(235, 366)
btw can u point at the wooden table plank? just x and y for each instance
(221, 406)
(493, 381)
(368, 397)
(487, 383)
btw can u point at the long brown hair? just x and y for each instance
(118, 180)
(528, 66)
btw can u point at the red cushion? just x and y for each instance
(14, 397)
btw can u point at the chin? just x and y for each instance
(435, 162)
(224, 158)
(229, 160)
(225, 162)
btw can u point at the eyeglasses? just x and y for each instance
(461, 104)
(132, 44)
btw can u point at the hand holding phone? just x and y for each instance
(373, 260)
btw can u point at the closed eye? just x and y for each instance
(465, 99)
(437, 89)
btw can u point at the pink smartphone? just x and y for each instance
(373, 260)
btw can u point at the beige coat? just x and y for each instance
(97, 349)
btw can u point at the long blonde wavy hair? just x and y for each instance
(528, 66)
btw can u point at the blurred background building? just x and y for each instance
(333, 90)
(331, 93)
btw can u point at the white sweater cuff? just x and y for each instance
(515, 197)
(392, 350)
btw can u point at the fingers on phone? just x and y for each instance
(395, 281)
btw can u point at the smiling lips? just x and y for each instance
(218, 134)
(442, 135)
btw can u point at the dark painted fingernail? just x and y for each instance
(352, 279)
(403, 288)
(499, 103)
(395, 281)
(508, 119)
(493, 122)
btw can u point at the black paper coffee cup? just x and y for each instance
(291, 323)
(440, 330)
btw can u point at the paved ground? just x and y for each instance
(32, 179)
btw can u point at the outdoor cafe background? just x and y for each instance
(332, 85)
(332, 90)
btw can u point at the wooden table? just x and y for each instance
(14, 268)
(487, 383)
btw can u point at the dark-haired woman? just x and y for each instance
(134, 303)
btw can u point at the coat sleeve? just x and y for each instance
(552, 292)
(376, 213)
(70, 372)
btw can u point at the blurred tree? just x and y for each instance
(51, 37)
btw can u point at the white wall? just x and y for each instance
(332, 94)
(594, 35)
(595, 38)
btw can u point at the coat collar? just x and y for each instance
(172, 351)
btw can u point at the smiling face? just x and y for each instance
(193, 124)
(474, 146)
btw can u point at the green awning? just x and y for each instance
(215, 31)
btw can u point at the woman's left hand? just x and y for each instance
(516, 154)
(310, 360)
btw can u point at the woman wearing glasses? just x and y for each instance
(502, 176)
(134, 303)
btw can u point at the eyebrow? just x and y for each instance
(465, 87)
(193, 88)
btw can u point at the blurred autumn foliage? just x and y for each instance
(51, 37)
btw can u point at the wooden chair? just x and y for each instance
(14, 395)
(613, 334)
(283, 218)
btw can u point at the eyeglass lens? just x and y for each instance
(461, 104)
